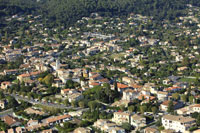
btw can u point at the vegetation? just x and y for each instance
(68, 12)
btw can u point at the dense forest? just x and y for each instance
(66, 12)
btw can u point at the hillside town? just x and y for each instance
(112, 75)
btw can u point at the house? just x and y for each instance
(189, 109)
(107, 126)
(178, 123)
(162, 96)
(138, 120)
(151, 87)
(120, 103)
(10, 72)
(127, 80)
(82, 130)
(168, 131)
(32, 123)
(121, 87)
(47, 131)
(93, 84)
(6, 85)
(121, 117)
(11, 130)
(2, 104)
(75, 97)
(34, 111)
(68, 91)
(172, 89)
(130, 94)
(146, 98)
(58, 119)
(10, 121)
(167, 82)
(28, 76)
(196, 131)
(176, 105)
(20, 130)
(182, 68)
(35, 127)
(150, 130)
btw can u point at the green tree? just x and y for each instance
(127, 127)
(66, 102)
(184, 98)
(191, 99)
(48, 80)
(198, 120)
(81, 104)
(143, 109)
(170, 107)
(92, 105)
(175, 96)
(154, 110)
(131, 108)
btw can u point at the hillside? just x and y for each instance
(68, 11)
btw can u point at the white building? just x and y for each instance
(178, 123)
(108, 127)
(121, 117)
(130, 94)
(138, 120)
(189, 109)
(75, 97)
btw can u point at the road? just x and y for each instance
(32, 101)
(6, 112)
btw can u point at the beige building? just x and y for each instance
(150, 130)
(161, 95)
(189, 109)
(81, 130)
(2, 104)
(178, 123)
(138, 120)
(107, 126)
(121, 117)
(130, 94)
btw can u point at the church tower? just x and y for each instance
(57, 64)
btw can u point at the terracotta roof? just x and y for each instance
(47, 131)
(94, 84)
(162, 92)
(146, 97)
(171, 88)
(56, 118)
(6, 82)
(9, 120)
(196, 105)
(166, 103)
(122, 86)
(104, 80)
(11, 70)
(66, 90)
(25, 75)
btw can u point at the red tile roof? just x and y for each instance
(122, 86)
(56, 118)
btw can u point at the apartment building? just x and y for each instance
(178, 123)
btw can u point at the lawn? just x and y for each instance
(189, 80)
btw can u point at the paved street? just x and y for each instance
(32, 101)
